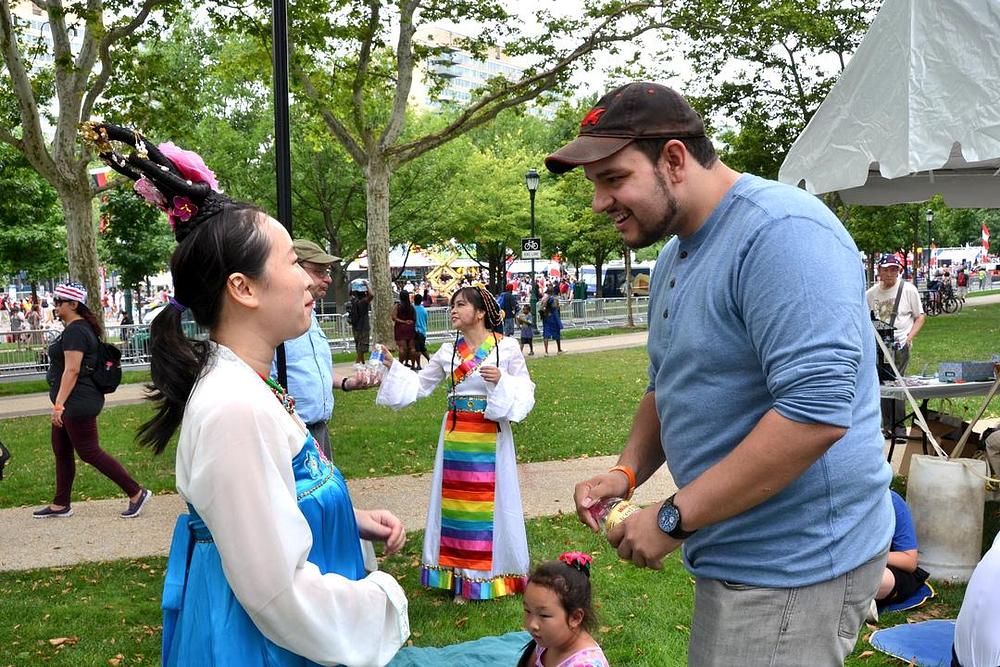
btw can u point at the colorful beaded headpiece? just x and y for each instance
(494, 314)
(577, 560)
(174, 180)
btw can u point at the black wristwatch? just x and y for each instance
(669, 520)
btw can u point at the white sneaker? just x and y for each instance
(872, 616)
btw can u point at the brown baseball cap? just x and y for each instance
(307, 251)
(638, 110)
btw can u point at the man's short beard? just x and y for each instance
(664, 228)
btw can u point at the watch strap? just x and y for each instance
(678, 533)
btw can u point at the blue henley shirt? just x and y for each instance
(764, 307)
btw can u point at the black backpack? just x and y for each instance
(107, 373)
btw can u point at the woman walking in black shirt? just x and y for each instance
(76, 402)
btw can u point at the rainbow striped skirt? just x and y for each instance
(468, 487)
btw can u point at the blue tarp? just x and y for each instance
(484, 652)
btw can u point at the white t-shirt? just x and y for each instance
(977, 630)
(910, 307)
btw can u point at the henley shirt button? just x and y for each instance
(684, 254)
(672, 281)
(666, 311)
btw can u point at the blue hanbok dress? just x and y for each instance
(221, 604)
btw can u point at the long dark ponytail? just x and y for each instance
(88, 316)
(231, 241)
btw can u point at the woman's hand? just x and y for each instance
(57, 414)
(381, 526)
(490, 373)
(386, 357)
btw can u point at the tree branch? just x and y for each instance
(358, 87)
(32, 143)
(107, 65)
(333, 123)
(526, 89)
(404, 74)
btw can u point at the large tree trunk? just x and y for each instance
(377, 205)
(81, 237)
(338, 270)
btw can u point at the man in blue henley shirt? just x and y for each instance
(762, 396)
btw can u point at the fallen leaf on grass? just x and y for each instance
(115, 661)
(64, 641)
(866, 654)
(461, 622)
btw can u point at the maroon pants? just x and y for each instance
(80, 434)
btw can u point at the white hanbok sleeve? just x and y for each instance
(513, 396)
(241, 483)
(403, 386)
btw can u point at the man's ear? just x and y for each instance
(241, 290)
(674, 160)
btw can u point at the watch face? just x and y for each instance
(668, 518)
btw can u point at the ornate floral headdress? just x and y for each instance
(174, 180)
(577, 560)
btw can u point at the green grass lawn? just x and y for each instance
(19, 387)
(644, 615)
(583, 407)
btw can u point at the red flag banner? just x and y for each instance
(986, 239)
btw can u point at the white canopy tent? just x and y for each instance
(915, 113)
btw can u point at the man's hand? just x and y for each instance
(381, 526)
(589, 493)
(640, 540)
(362, 380)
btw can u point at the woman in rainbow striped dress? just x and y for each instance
(474, 543)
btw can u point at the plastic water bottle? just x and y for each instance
(610, 512)
(375, 368)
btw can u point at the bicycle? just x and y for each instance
(949, 302)
(931, 301)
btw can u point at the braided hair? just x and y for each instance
(481, 299)
(216, 237)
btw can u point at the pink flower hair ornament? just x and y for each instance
(190, 164)
(577, 560)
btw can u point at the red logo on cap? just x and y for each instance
(592, 117)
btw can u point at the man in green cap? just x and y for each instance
(308, 360)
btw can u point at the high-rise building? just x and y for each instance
(462, 71)
(37, 30)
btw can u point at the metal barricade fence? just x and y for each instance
(24, 353)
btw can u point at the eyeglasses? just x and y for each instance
(58, 302)
(316, 269)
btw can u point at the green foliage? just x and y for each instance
(32, 235)
(135, 239)
(765, 66)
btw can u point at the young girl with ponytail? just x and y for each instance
(474, 542)
(266, 567)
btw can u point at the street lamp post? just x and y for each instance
(531, 180)
(930, 219)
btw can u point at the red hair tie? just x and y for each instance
(578, 560)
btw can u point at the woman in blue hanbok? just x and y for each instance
(266, 568)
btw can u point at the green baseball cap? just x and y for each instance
(307, 251)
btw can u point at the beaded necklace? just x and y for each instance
(471, 359)
(286, 400)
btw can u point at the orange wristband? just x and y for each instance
(58, 407)
(630, 474)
